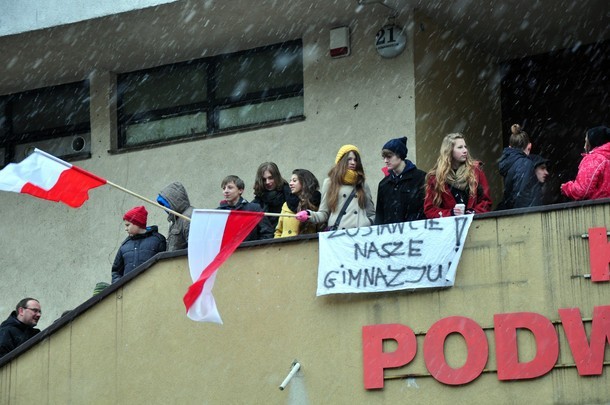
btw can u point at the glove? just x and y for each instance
(302, 216)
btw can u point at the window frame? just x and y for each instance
(212, 105)
(11, 139)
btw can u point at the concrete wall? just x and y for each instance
(457, 89)
(28, 15)
(58, 254)
(137, 346)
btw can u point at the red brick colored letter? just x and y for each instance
(589, 359)
(599, 254)
(507, 352)
(373, 356)
(476, 346)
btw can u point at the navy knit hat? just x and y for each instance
(598, 136)
(398, 146)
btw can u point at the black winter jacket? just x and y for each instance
(13, 333)
(136, 250)
(272, 201)
(519, 179)
(400, 198)
(263, 230)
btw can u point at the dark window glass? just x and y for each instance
(55, 119)
(208, 96)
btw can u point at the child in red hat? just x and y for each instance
(142, 243)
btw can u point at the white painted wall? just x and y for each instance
(58, 254)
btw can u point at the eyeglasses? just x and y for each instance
(34, 310)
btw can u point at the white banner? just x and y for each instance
(405, 256)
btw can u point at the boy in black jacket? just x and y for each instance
(400, 195)
(141, 244)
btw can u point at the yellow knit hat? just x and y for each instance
(345, 149)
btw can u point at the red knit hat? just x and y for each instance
(137, 216)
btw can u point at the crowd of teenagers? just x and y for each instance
(456, 185)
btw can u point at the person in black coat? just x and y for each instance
(141, 244)
(19, 326)
(400, 195)
(232, 189)
(271, 190)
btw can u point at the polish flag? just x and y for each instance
(213, 237)
(50, 178)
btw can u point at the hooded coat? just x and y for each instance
(13, 333)
(593, 178)
(135, 250)
(178, 234)
(400, 198)
(519, 178)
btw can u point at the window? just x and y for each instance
(204, 97)
(54, 119)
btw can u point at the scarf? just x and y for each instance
(458, 179)
(272, 198)
(350, 177)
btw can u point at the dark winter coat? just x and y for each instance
(135, 250)
(178, 234)
(400, 198)
(519, 179)
(272, 201)
(13, 333)
(263, 230)
(593, 178)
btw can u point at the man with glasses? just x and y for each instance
(19, 326)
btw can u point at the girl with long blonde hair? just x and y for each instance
(346, 198)
(456, 185)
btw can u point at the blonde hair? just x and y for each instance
(443, 168)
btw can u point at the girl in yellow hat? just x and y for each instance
(346, 198)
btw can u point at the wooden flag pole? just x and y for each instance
(156, 204)
(141, 197)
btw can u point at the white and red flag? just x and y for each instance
(45, 176)
(213, 237)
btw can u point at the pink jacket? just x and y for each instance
(593, 178)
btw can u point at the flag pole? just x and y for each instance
(273, 214)
(141, 197)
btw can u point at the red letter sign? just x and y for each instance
(375, 360)
(507, 352)
(599, 254)
(589, 359)
(476, 346)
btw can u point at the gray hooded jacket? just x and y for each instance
(178, 234)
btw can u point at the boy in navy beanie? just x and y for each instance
(400, 195)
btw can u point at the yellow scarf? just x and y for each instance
(350, 177)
